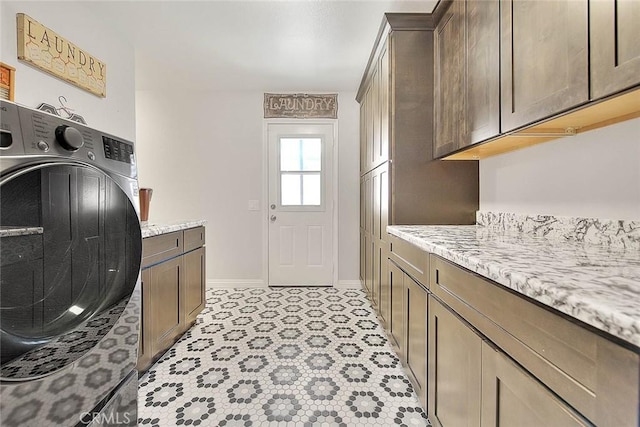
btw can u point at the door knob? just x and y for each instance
(273, 206)
(273, 218)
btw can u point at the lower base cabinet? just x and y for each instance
(416, 320)
(195, 278)
(480, 355)
(473, 383)
(173, 290)
(512, 397)
(408, 326)
(161, 303)
(396, 319)
(455, 360)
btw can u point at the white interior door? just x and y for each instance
(300, 207)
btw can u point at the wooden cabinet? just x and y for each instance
(400, 181)
(467, 71)
(173, 290)
(194, 283)
(512, 397)
(450, 80)
(544, 59)
(396, 319)
(373, 124)
(416, 353)
(482, 74)
(568, 371)
(455, 363)
(480, 355)
(408, 321)
(511, 74)
(614, 46)
(165, 313)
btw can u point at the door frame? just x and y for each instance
(264, 210)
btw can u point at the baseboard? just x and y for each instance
(235, 283)
(349, 284)
(257, 283)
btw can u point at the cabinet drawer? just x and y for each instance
(411, 259)
(593, 374)
(193, 238)
(158, 248)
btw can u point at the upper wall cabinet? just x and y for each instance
(449, 80)
(544, 61)
(615, 45)
(482, 47)
(564, 68)
(467, 75)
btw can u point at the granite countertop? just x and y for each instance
(10, 231)
(597, 284)
(156, 229)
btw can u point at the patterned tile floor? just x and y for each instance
(281, 357)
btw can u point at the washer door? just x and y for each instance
(71, 250)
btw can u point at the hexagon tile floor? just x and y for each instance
(281, 357)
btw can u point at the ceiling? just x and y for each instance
(285, 45)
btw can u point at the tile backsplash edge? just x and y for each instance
(613, 233)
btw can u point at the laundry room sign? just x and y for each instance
(48, 51)
(301, 106)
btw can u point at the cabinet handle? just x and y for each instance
(437, 276)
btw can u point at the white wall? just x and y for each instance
(115, 113)
(202, 151)
(595, 174)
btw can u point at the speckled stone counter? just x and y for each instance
(7, 231)
(598, 284)
(156, 229)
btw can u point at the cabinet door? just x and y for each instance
(482, 51)
(368, 263)
(449, 80)
(369, 99)
(368, 204)
(194, 284)
(384, 310)
(375, 277)
(145, 350)
(615, 45)
(455, 361)
(362, 255)
(384, 201)
(417, 336)
(511, 397)
(384, 104)
(363, 136)
(544, 68)
(376, 202)
(375, 117)
(165, 309)
(396, 326)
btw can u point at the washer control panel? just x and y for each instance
(117, 150)
(29, 132)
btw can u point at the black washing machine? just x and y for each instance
(71, 248)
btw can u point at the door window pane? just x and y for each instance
(300, 154)
(289, 154)
(311, 154)
(301, 171)
(290, 190)
(311, 190)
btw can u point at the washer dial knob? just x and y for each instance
(69, 137)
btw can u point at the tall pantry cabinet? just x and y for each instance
(400, 181)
